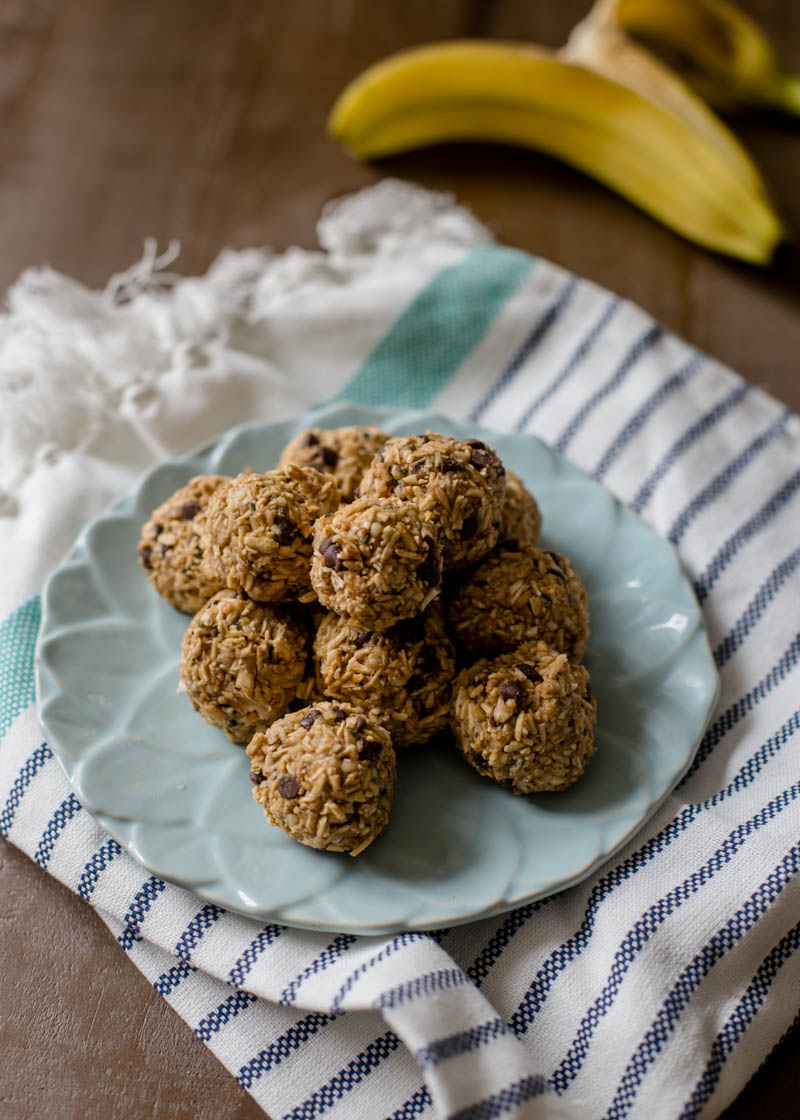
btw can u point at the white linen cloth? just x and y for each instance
(653, 989)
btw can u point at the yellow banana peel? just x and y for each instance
(667, 154)
(720, 51)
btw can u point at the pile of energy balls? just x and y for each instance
(355, 601)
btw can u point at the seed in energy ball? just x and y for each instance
(521, 520)
(375, 562)
(525, 719)
(327, 776)
(242, 663)
(258, 531)
(403, 675)
(343, 452)
(171, 549)
(457, 485)
(520, 595)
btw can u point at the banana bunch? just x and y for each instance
(602, 103)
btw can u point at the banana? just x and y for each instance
(689, 173)
(720, 51)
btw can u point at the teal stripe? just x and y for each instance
(437, 331)
(17, 646)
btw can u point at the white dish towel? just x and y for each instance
(654, 989)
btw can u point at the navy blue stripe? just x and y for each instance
(55, 826)
(139, 909)
(347, 1079)
(720, 482)
(462, 1042)
(644, 343)
(227, 1010)
(756, 607)
(507, 1100)
(282, 1047)
(416, 1104)
(647, 926)
(500, 939)
(398, 942)
(522, 355)
(328, 955)
(682, 444)
(569, 950)
(251, 954)
(95, 867)
(633, 426)
(169, 980)
(573, 362)
(691, 978)
(705, 582)
(200, 924)
(739, 1020)
(744, 705)
(26, 775)
(421, 986)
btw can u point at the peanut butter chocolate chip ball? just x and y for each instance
(325, 775)
(259, 529)
(526, 719)
(171, 549)
(402, 676)
(521, 520)
(375, 562)
(242, 663)
(521, 595)
(344, 453)
(456, 485)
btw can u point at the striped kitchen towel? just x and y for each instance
(653, 989)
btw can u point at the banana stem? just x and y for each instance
(790, 94)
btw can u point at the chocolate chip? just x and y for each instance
(157, 529)
(339, 714)
(475, 443)
(255, 777)
(529, 672)
(362, 638)
(479, 760)
(469, 527)
(429, 571)
(419, 466)
(511, 690)
(329, 457)
(368, 749)
(448, 466)
(481, 459)
(164, 548)
(283, 530)
(190, 510)
(288, 787)
(328, 541)
(330, 554)
(310, 440)
(493, 722)
(360, 724)
(310, 718)
(144, 556)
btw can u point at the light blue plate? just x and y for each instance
(176, 794)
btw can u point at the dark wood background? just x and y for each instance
(204, 120)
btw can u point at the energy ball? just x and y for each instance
(521, 595)
(521, 520)
(259, 529)
(375, 562)
(526, 719)
(402, 675)
(171, 549)
(325, 775)
(242, 663)
(457, 485)
(343, 452)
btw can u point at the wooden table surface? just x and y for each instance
(204, 120)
